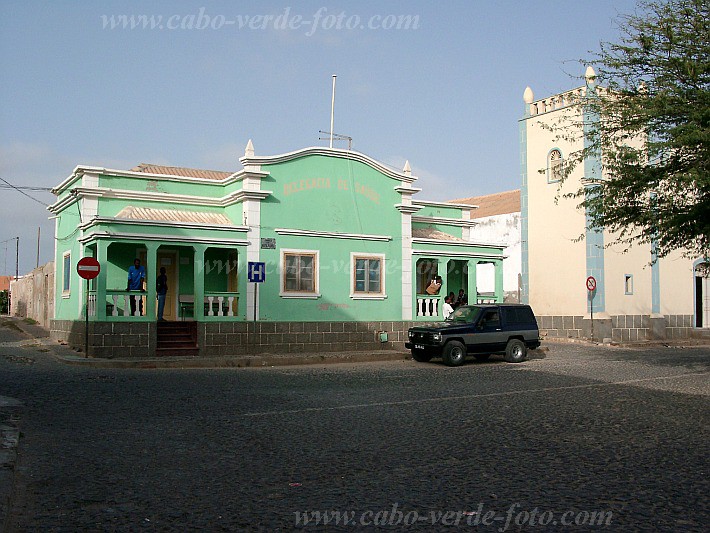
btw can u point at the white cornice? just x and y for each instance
(332, 234)
(160, 223)
(82, 169)
(446, 253)
(98, 235)
(232, 198)
(244, 194)
(403, 208)
(444, 204)
(407, 190)
(62, 204)
(75, 175)
(161, 197)
(457, 243)
(445, 221)
(329, 152)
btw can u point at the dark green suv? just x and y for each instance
(480, 330)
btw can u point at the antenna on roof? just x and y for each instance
(337, 137)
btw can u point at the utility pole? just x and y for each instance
(17, 259)
(38, 234)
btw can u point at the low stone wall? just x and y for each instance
(108, 339)
(620, 328)
(239, 338)
(138, 339)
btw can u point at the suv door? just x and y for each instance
(489, 336)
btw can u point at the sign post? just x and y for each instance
(592, 288)
(87, 268)
(256, 272)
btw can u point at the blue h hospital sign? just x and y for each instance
(256, 271)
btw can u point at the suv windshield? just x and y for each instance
(466, 313)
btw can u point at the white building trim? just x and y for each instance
(250, 160)
(332, 234)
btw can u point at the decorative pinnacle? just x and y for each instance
(407, 169)
(249, 150)
(528, 96)
(589, 74)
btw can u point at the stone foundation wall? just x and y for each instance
(619, 328)
(138, 339)
(108, 339)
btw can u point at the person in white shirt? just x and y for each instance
(447, 309)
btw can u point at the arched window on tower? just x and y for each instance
(554, 166)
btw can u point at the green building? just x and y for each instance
(347, 254)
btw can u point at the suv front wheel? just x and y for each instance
(454, 353)
(515, 351)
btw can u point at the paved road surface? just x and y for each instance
(584, 433)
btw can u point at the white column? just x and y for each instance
(252, 213)
(407, 276)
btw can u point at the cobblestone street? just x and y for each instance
(574, 431)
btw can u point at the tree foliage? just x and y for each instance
(651, 126)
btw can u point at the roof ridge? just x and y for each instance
(140, 166)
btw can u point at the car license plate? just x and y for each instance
(418, 347)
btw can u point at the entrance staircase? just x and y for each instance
(177, 338)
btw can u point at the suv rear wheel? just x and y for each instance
(454, 353)
(515, 351)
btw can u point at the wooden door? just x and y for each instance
(168, 261)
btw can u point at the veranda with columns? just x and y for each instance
(456, 273)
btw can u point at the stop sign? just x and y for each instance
(88, 268)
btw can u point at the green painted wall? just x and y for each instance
(321, 193)
(440, 211)
(207, 190)
(67, 306)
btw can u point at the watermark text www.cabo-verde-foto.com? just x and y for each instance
(323, 19)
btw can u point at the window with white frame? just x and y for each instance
(554, 166)
(299, 273)
(66, 273)
(367, 275)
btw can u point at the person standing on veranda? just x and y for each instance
(136, 277)
(161, 289)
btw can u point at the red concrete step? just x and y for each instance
(176, 339)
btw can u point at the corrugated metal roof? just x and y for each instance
(182, 171)
(431, 233)
(173, 215)
(499, 203)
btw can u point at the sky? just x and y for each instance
(192, 82)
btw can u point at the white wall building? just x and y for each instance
(634, 299)
(497, 218)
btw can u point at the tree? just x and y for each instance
(647, 113)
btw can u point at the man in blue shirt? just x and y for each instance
(136, 277)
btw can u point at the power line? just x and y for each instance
(3, 186)
(18, 189)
